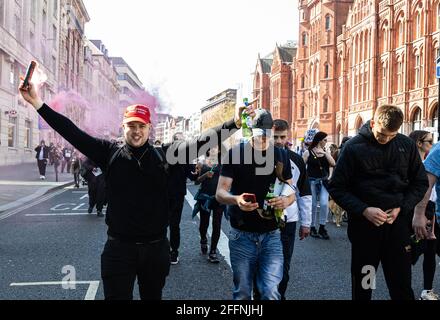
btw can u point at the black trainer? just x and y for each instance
(204, 246)
(323, 233)
(174, 258)
(213, 258)
(100, 214)
(90, 210)
(313, 232)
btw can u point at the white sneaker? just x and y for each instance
(41, 177)
(429, 295)
(44, 178)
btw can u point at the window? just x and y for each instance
(303, 112)
(325, 105)
(327, 23)
(384, 81)
(326, 71)
(417, 76)
(54, 64)
(2, 12)
(55, 8)
(401, 33)
(44, 24)
(12, 132)
(33, 10)
(418, 25)
(304, 39)
(385, 39)
(17, 27)
(399, 76)
(28, 134)
(417, 120)
(54, 37)
(434, 121)
(303, 82)
(438, 18)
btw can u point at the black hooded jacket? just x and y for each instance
(369, 174)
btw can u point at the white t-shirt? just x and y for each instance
(41, 155)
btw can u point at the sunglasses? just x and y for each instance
(429, 141)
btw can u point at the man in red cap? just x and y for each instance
(137, 186)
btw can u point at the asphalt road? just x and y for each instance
(54, 238)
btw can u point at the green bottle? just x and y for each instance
(246, 122)
(269, 212)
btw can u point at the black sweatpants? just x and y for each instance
(389, 245)
(42, 167)
(122, 262)
(176, 207)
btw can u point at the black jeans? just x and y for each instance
(42, 167)
(176, 207)
(122, 262)
(288, 235)
(216, 226)
(389, 245)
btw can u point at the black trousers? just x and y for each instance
(122, 263)
(429, 259)
(176, 207)
(65, 162)
(217, 215)
(97, 196)
(42, 167)
(389, 245)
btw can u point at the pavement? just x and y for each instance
(20, 184)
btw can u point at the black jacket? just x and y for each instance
(137, 192)
(45, 152)
(369, 174)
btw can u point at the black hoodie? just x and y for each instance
(369, 174)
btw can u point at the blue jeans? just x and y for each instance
(259, 256)
(319, 193)
(288, 235)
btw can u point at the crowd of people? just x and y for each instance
(376, 179)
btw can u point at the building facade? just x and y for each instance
(352, 57)
(104, 118)
(219, 109)
(29, 30)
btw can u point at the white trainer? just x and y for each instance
(429, 295)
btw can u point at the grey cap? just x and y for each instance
(262, 120)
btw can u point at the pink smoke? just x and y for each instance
(145, 98)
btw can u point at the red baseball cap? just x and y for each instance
(139, 113)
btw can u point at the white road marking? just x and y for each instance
(223, 244)
(30, 205)
(65, 214)
(91, 291)
(84, 196)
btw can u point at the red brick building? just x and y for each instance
(355, 55)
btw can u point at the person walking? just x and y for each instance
(378, 180)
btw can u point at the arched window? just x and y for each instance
(327, 23)
(304, 39)
(418, 25)
(325, 105)
(434, 117)
(416, 122)
(399, 76)
(418, 71)
(302, 111)
(438, 17)
(384, 80)
(401, 31)
(303, 84)
(326, 71)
